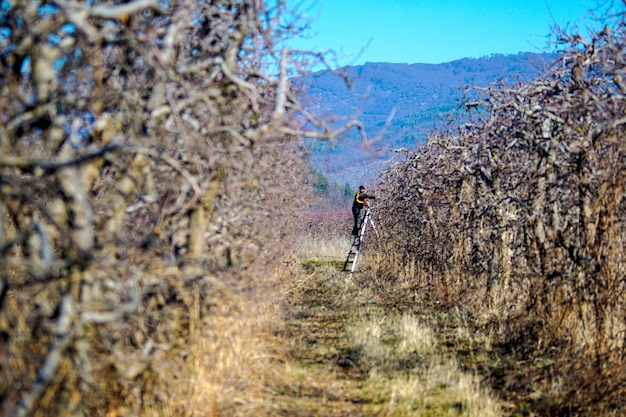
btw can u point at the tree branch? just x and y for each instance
(49, 165)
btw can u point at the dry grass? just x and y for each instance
(324, 234)
(442, 390)
(332, 247)
(414, 336)
(402, 354)
(232, 358)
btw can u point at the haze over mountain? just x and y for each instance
(398, 105)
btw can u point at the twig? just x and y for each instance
(49, 165)
(118, 11)
(279, 109)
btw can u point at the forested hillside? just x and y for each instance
(400, 104)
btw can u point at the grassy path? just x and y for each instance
(359, 350)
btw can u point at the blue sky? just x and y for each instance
(436, 31)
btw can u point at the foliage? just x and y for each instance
(329, 194)
(321, 183)
(348, 191)
(522, 219)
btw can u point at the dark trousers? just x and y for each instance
(356, 212)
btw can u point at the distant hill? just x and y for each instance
(399, 104)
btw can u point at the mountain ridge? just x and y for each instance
(399, 104)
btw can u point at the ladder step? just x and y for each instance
(350, 262)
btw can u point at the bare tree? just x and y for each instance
(522, 218)
(148, 156)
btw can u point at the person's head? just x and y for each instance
(361, 188)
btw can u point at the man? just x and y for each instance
(361, 199)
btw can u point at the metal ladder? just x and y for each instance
(357, 241)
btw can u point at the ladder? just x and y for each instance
(357, 241)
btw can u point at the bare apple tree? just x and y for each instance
(149, 157)
(522, 218)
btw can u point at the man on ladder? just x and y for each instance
(361, 212)
(361, 199)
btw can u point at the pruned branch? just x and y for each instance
(41, 166)
(122, 11)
